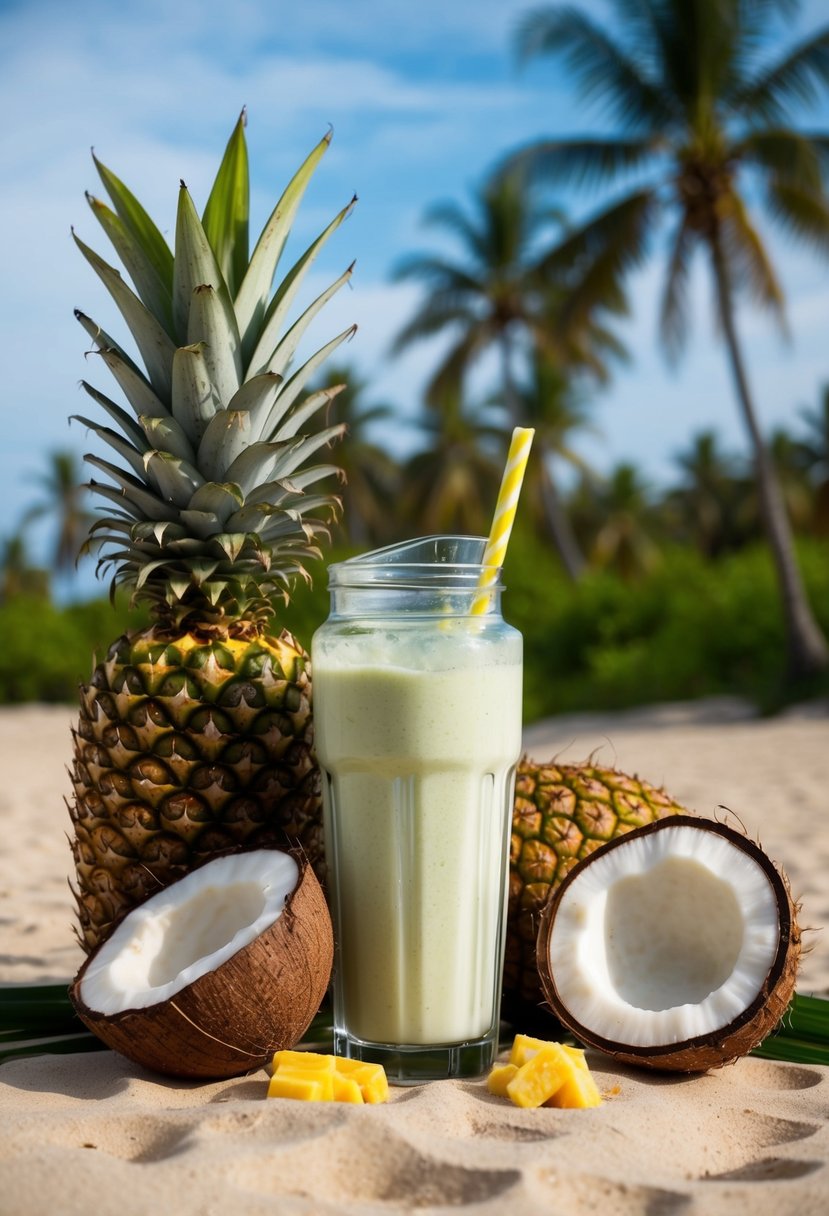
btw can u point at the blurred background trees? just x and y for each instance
(716, 579)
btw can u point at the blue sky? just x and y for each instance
(424, 98)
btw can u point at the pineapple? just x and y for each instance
(562, 813)
(195, 734)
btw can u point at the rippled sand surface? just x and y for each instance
(93, 1133)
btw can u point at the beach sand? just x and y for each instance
(94, 1134)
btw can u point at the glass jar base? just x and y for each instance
(414, 1064)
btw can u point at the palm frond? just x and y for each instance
(791, 156)
(578, 162)
(447, 381)
(600, 253)
(748, 262)
(673, 312)
(450, 217)
(602, 68)
(793, 79)
(437, 273)
(434, 318)
(802, 213)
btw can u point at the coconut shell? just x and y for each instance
(728, 1043)
(231, 1020)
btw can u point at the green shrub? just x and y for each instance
(692, 628)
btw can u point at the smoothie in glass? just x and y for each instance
(417, 709)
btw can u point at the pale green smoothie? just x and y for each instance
(418, 735)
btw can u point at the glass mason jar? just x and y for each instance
(417, 710)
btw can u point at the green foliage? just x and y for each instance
(690, 628)
(47, 650)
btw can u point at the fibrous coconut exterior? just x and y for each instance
(721, 1046)
(231, 1020)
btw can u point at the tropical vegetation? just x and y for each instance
(712, 580)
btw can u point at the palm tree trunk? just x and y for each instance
(808, 652)
(510, 388)
(558, 522)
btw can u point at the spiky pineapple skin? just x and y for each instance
(188, 747)
(561, 814)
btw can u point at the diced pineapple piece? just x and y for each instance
(576, 1054)
(313, 1077)
(524, 1048)
(346, 1089)
(543, 1075)
(294, 1085)
(345, 1065)
(578, 1092)
(499, 1078)
(304, 1061)
(372, 1080)
(324, 1080)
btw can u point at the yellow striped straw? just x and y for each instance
(504, 518)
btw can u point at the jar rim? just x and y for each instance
(450, 566)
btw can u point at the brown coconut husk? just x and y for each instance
(722, 1046)
(231, 1021)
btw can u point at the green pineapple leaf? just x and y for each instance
(151, 290)
(300, 378)
(195, 267)
(283, 354)
(286, 291)
(298, 417)
(252, 298)
(226, 437)
(130, 428)
(213, 325)
(133, 497)
(154, 343)
(175, 479)
(166, 435)
(194, 397)
(225, 217)
(132, 455)
(135, 218)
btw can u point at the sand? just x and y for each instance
(93, 1133)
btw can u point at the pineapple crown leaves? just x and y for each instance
(207, 506)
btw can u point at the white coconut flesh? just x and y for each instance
(190, 929)
(666, 938)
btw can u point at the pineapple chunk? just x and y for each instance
(372, 1080)
(499, 1079)
(578, 1092)
(304, 1061)
(524, 1048)
(346, 1089)
(542, 1076)
(294, 1085)
(323, 1081)
(312, 1077)
(545, 1074)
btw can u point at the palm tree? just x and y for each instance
(814, 453)
(489, 299)
(370, 472)
(622, 542)
(17, 575)
(793, 474)
(550, 402)
(707, 499)
(703, 106)
(63, 502)
(452, 485)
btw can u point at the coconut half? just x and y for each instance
(217, 971)
(675, 946)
